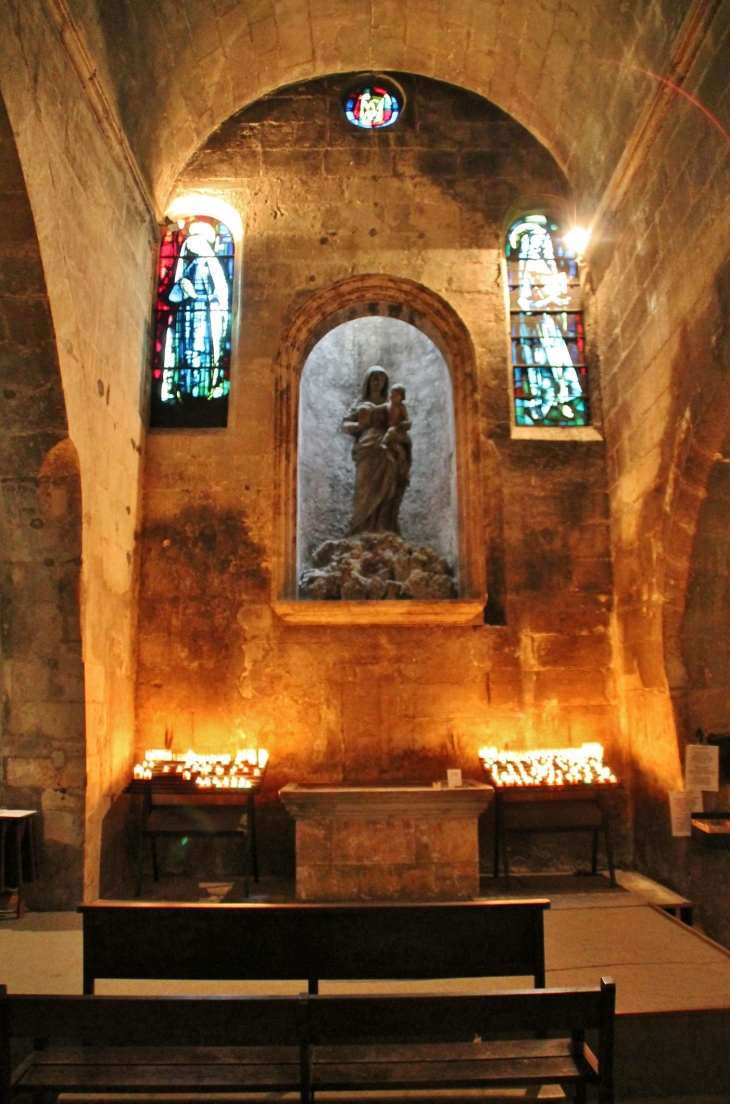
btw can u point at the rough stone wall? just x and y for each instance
(322, 202)
(705, 701)
(705, 634)
(95, 233)
(42, 746)
(661, 270)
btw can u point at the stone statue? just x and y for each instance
(374, 561)
(382, 454)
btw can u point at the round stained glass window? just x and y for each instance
(373, 106)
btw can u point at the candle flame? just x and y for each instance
(551, 767)
(218, 771)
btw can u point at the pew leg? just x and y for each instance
(155, 865)
(246, 859)
(580, 1092)
(254, 846)
(495, 872)
(594, 854)
(609, 850)
(140, 868)
(505, 855)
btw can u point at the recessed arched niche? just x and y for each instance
(422, 345)
(332, 379)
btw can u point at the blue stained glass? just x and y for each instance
(548, 340)
(192, 352)
(372, 108)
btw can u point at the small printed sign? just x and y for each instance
(695, 797)
(702, 768)
(453, 778)
(680, 810)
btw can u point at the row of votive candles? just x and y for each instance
(220, 771)
(551, 767)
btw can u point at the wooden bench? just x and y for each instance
(306, 1044)
(311, 942)
(424, 1043)
(150, 1044)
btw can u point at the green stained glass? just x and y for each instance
(548, 338)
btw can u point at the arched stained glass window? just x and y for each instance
(192, 350)
(548, 339)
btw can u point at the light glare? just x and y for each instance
(577, 239)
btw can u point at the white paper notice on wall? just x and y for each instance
(680, 810)
(696, 802)
(702, 768)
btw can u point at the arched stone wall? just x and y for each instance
(384, 221)
(553, 67)
(410, 302)
(43, 746)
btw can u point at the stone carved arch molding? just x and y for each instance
(407, 301)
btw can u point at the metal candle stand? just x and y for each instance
(171, 810)
(523, 810)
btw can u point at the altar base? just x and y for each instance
(368, 843)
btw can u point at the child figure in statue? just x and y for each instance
(397, 439)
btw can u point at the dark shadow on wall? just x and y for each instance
(42, 746)
(495, 612)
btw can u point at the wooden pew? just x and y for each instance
(151, 1044)
(396, 1043)
(306, 1044)
(311, 942)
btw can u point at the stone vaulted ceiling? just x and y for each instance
(568, 71)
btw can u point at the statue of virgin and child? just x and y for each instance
(382, 453)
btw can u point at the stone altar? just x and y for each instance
(386, 842)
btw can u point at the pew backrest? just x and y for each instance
(336, 1019)
(154, 1021)
(311, 942)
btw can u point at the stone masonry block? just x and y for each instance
(314, 842)
(444, 841)
(572, 686)
(373, 842)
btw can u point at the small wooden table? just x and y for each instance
(20, 823)
(534, 809)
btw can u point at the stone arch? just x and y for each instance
(43, 732)
(548, 66)
(393, 297)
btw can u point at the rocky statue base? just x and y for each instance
(378, 566)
